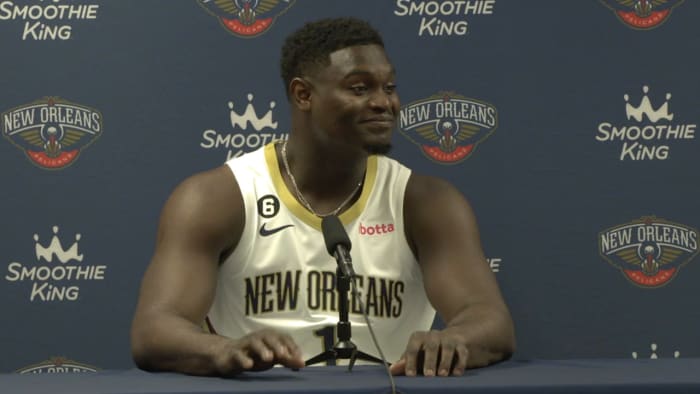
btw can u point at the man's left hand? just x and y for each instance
(430, 351)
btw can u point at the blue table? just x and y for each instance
(539, 376)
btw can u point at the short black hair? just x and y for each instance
(312, 44)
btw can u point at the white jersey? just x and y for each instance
(281, 276)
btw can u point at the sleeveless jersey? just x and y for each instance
(281, 276)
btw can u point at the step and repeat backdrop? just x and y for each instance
(571, 126)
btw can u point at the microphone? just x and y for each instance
(338, 244)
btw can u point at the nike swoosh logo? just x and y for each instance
(265, 231)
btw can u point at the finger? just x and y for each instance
(275, 345)
(294, 363)
(411, 354)
(294, 358)
(447, 353)
(286, 350)
(260, 349)
(232, 360)
(291, 347)
(462, 358)
(431, 347)
(399, 367)
(241, 361)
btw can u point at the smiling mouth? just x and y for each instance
(380, 121)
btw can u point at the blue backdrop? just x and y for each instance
(569, 125)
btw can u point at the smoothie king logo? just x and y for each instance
(51, 131)
(443, 18)
(642, 14)
(47, 19)
(447, 126)
(246, 18)
(240, 140)
(649, 251)
(52, 281)
(646, 138)
(57, 365)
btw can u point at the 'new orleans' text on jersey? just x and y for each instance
(279, 291)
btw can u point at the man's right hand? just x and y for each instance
(259, 351)
(202, 221)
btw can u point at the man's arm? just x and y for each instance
(200, 224)
(444, 236)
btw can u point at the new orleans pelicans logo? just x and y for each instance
(57, 365)
(642, 14)
(649, 251)
(52, 131)
(246, 18)
(448, 126)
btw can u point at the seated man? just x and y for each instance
(241, 279)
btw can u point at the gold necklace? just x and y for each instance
(300, 196)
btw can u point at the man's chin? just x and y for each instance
(378, 149)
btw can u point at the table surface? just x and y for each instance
(536, 376)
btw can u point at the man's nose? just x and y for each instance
(380, 101)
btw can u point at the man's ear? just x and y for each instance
(300, 94)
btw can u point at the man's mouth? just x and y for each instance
(380, 121)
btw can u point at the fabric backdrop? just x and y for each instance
(569, 125)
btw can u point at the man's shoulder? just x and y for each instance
(423, 182)
(250, 158)
(203, 211)
(430, 192)
(208, 188)
(387, 166)
(389, 161)
(208, 179)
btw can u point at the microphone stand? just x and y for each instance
(344, 348)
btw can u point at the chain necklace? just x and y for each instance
(300, 196)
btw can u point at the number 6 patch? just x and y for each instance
(268, 206)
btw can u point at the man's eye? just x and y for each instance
(358, 89)
(391, 88)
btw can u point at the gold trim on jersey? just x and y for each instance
(298, 210)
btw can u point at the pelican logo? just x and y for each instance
(649, 251)
(246, 18)
(642, 14)
(447, 126)
(57, 365)
(52, 131)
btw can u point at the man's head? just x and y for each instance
(341, 84)
(309, 48)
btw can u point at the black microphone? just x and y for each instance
(338, 244)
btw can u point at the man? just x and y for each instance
(240, 247)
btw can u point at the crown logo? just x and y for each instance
(251, 117)
(645, 108)
(654, 348)
(55, 248)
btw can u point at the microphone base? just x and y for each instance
(343, 350)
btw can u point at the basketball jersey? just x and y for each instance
(281, 276)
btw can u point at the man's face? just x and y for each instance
(354, 99)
